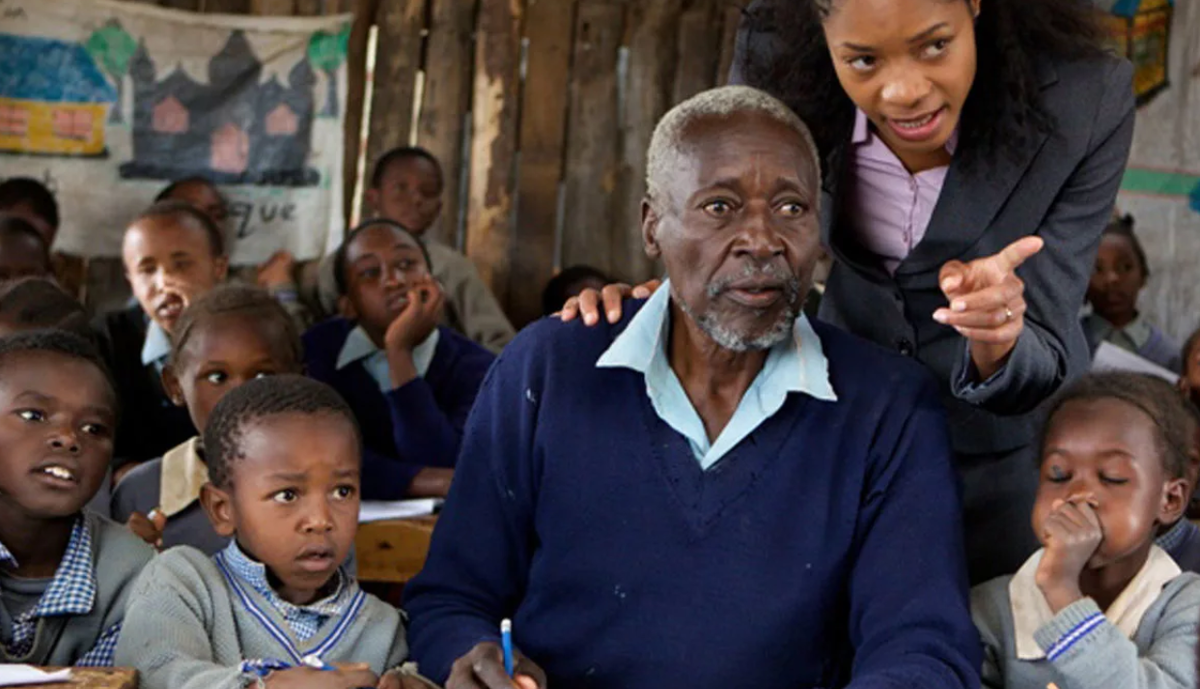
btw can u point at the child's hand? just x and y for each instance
(589, 303)
(419, 317)
(346, 676)
(149, 528)
(1071, 534)
(483, 667)
(277, 271)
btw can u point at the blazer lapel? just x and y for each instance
(971, 198)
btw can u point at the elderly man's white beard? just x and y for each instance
(728, 338)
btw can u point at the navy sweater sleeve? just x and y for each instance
(427, 428)
(910, 625)
(478, 561)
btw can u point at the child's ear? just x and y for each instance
(172, 387)
(372, 199)
(1176, 495)
(222, 265)
(218, 505)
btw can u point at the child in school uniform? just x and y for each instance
(39, 304)
(1121, 273)
(274, 605)
(65, 573)
(406, 187)
(1100, 605)
(231, 335)
(173, 254)
(410, 382)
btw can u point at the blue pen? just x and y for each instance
(506, 644)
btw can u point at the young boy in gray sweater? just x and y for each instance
(275, 608)
(65, 574)
(1100, 605)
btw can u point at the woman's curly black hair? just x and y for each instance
(1004, 106)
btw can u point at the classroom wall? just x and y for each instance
(547, 107)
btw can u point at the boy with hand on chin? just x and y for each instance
(410, 382)
(275, 608)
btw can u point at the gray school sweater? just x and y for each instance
(117, 558)
(187, 629)
(1161, 655)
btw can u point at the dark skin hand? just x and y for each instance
(1072, 534)
(148, 527)
(345, 676)
(414, 324)
(483, 668)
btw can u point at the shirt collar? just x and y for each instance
(1031, 612)
(73, 589)
(255, 574)
(798, 362)
(863, 133)
(157, 346)
(183, 472)
(358, 346)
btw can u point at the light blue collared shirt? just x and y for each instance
(358, 346)
(797, 364)
(157, 347)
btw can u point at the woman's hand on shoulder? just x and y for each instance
(987, 302)
(590, 302)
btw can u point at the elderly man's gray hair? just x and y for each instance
(667, 142)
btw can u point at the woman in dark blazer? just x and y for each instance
(951, 133)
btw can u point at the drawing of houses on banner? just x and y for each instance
(232, 130)
(54, 100)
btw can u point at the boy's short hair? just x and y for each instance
(242, 300)
(37, 304)
(177, 210)
(260, 399)
(1174, 420)
(57, 342)
(399, 153)
(168, 191)
(339, 256)
(18, 190)
(1122, 226)
(557, 288)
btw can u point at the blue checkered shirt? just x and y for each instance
(71, 592)
(304, 620)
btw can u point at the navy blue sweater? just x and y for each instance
(824, 550)
(414, 426)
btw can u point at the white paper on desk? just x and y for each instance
(1110, 357)
(20, 675)
(378, 510)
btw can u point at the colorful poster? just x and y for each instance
(109, 102)
(1161, 188)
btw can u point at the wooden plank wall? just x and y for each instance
(540, 111)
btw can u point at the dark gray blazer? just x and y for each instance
(1060, 187)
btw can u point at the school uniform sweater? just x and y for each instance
(150, 423)
(90, 613)
(1084, 650)
(190, 626)
(142, 490)
(824, 549)
(1182, 543)
(408, 428)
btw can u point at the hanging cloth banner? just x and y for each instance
(108, 102)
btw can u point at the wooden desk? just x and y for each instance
(94, 678)
(393, 551)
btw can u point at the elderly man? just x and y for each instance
(713, 492)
